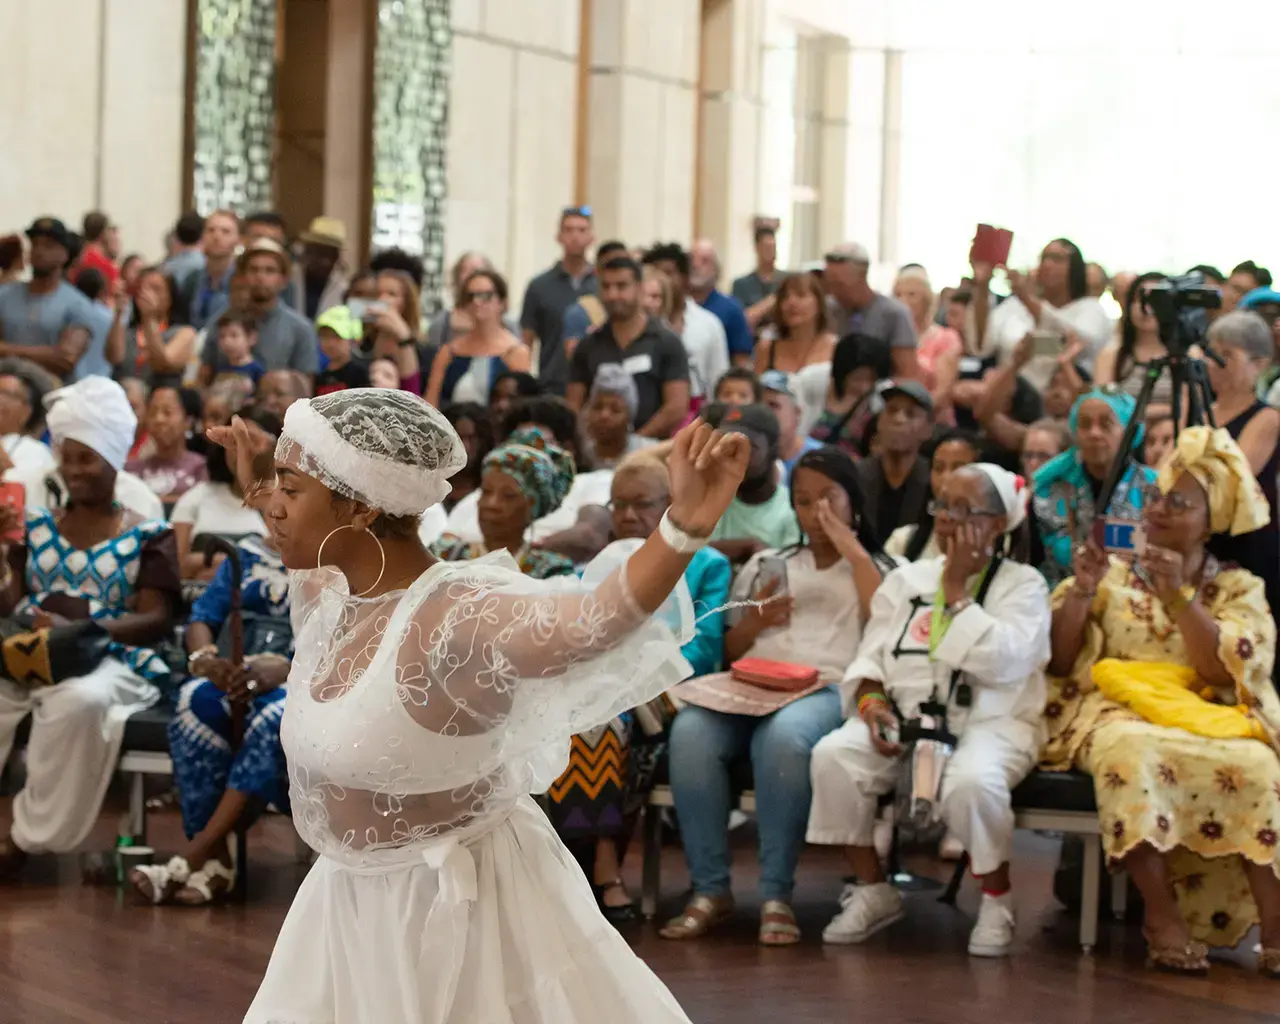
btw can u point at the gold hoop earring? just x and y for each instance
(382, 554)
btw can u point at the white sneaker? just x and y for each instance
(993, 934)
(864, 910)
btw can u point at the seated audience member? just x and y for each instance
(383, 373)
(23, 386)
(237, 336)
(1266, 303)
(967, 630)
(475, 430)
(1004, 405)
(954, 450)
(339, 333)
(803, 332)
(1243, 340)
(279, 389)
(1157, 439)
(1164, 695)
(1124, 362)
(524, 478)
(1044, 441)
(852, 402)
(1056, 298)
(779, 396)
(138, 394)
(1065, 489)
(702, 332)
(760, 515)
(830, 577)
(215, 507)
(153, 347)
(651, 353)
(938, 348)
(596, 820)
(1244, 278)
(171, 468)
(89, 561)
(217, 784)
(464, 370)
(224, 399)
(895, 481)
(452, 323)
(508, 388)
(739, 386)
(606, 421)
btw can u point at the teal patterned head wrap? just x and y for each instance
(543, 469)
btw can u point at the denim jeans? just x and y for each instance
(704, 743)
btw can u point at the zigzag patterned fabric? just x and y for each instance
(104, 575)
(588, 797)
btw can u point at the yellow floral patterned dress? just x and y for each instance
(1207, 802)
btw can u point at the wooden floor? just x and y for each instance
(77, 954)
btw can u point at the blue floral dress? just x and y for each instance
(204, 765)
(101, 580)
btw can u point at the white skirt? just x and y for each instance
(502, 931)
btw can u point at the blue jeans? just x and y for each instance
(704, 743)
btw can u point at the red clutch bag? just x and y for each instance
(774, 675)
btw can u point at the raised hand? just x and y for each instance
(842, 536)
(1089, 563)
(707, 468)
(243, 442)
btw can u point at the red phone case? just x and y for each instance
(15, 495)
(991, 245)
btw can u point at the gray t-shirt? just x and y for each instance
(39, 320)
(286, 341)
(883, 317)
(751, 288)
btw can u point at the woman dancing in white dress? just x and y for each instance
(426, 702)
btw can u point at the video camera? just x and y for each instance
(1176, 303)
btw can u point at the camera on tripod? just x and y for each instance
(1177, 304)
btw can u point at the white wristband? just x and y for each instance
(676, 539)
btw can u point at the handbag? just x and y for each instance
(774, 675)
(43, 657)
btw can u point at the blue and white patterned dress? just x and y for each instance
(104, 575)
(204, 765)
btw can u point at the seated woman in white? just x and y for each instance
(929, 639)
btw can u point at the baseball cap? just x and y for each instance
(912, 389)
(776, 380)
(340, 320)
(755, 419)
(50, 227)
(1260, 297)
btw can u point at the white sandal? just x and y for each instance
(202, 886)
(158, 882)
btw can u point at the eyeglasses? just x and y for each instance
(485, 296)
(1174, 501)
(957, 512)
(638, 506)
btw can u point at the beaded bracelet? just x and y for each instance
(868, 699)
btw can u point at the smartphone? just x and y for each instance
(1047, 342)
(991, 245)
(365, 309)
(773, 570)
(15, 495)
(1126, 537)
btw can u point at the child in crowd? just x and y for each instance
(338, 330)
(739, 386)
(1158, 439)
(383, 373)
(237, 336)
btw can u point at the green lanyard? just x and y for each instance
(941, 621)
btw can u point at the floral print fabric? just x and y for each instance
(1207, 803)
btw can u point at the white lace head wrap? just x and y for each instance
(96, 412)
(387, 449)
(1011, 488)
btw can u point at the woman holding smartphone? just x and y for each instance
(811, 601)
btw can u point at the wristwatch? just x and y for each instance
(957, 607)
(1186, 594)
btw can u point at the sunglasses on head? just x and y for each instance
(576, 211)
(481, 296)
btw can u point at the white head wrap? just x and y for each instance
(96, 412)
(1012, 489)
(387, 449)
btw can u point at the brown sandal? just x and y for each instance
(1193, 958)
(699, 916)
(1269, 963)
(778, 925)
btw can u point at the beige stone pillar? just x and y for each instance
(348, 103)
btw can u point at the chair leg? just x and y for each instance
(957, 879)
(241, 840)
(138, 807)
(1119, 896)
(652, 862)
(1090, 889)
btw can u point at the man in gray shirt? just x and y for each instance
(551, 293)
(286, 341)
(45, 319)
(855, 308)
(188, 257)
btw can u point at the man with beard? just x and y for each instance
(45, 319)
(652, 354)
(286, 341)
(895, 480)
(704, 273)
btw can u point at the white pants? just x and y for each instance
(76, 730)
(849, 775)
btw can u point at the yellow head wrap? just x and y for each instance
(1236, 502)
